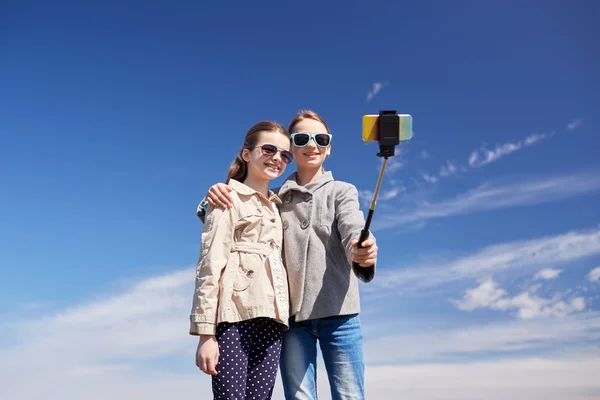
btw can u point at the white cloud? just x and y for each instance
(376, 88)
(518, 379)
(448, 169)
(393, 164)
(521, 255)
(472, 341)
(484, 295)
(483, 156)
(526, 304)
(574, 124)
(134, 344)
(430, 178)
(594, 275)
(531, 139)
(547, 274)
(365, 197)
(492, 196)
(390, 194)
(425, 155)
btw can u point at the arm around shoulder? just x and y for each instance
(350, 222)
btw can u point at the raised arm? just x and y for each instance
(351, 221)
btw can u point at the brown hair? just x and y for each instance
(239, 169)
(307, 114)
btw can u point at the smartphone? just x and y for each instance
(370, 127)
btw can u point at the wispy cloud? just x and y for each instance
(390, 194)
(394, 164)
(559, 378)
(448, 169)
(528, 254)
(365, 196)
(449, 343)
(429, 178)
(594, 275)
(574, 124)
(547, 274)
(376, 88)
(526, 304)
(493, 196)
(424, 154)
(483, 156)
(115, 346)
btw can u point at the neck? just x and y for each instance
(306, 176)
(260, 185)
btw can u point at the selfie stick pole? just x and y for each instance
(389, 137)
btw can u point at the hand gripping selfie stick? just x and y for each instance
(387, 128)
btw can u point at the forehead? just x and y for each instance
(274, 138)
(309, 126)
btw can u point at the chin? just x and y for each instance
(273, 175)
(312, 163)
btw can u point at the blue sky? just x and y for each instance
(115, 118)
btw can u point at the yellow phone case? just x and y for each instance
(370, 128)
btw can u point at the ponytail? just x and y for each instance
(238, 169)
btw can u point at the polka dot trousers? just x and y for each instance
(248, 359)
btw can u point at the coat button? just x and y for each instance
(250, 274)
(273, 220)
(307, 197)
(285, 224)
(304, 224)
(288, 198)
(273, 244)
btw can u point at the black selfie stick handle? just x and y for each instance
(364, 234)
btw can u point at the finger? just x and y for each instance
(354, 242)
(210, 367)
(225, 189)
(215, 363)
(224, 201)
(367, 243)
(203, 365)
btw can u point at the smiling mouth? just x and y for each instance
(272, 166)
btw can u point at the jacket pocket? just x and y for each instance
(242, 280)
(244, 275)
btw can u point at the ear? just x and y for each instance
(246, 155)
(328, 151)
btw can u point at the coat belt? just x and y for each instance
(254, 248)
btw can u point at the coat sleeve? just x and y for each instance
(217, 239)
(350, 222)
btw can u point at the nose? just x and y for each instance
(276, 156)
(311, 143)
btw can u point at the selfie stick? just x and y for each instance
(389, 137)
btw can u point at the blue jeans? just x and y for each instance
(340, 339)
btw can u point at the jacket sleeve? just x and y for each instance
(350, 222)
(201, 210)
(217, 239)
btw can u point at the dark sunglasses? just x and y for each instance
(302, 139)
(270, 150)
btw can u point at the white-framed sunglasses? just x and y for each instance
(301, 139)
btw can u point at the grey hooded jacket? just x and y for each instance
(320, 220)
